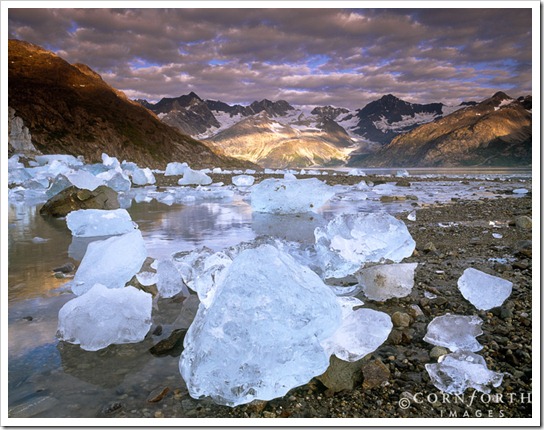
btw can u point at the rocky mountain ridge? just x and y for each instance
(494, 132)
(69, 109)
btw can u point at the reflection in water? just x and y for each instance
(293, 227)
(170, 229)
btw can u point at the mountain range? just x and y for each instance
(70, 109)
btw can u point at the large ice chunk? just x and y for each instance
(387, 281)
(99, 222)
(261, 334)
(194, 177)
(350, 240)
(243, 180)
(282, 196)
(362, 332)
(111, 262)
(175, 168)
(455, 332)
(456, 372)
(143, 176)
(482, 290)
(84, 180)
(102, 317)
(169, 281)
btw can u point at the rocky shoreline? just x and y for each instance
(492, 235)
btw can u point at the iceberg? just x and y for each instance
(111, 262)
(194, 177)
(243, 180)
(455, 332)
(350, 240)
(482, 290)
(99, 222)
(260, 336)
(111, 162)
(387, 281)
(69, 160)
(169, 281)
(175, 169)
(102, 317)
(281, 196)
(456, 372)
(116, 180)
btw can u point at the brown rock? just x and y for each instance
(403, 183)
(73, 198)
(158, 394)
(400, 319)
(169, 344)
(524, 222)
(341, 375)
(375, 373)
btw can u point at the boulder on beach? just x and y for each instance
(73, 198)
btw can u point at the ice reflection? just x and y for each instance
(169, 229)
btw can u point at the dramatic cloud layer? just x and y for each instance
(344, 57)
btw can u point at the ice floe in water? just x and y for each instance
(456, 372)
(284, 196)
(99, 222)
(102, 317)
(350, 240)
(169, 281)
(455, 332)
(175, 168)
(387, 281)
(243, 180)
(482, 290)
(260, 336)
(194, 177)
(111, 262)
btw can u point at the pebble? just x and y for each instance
(157, 394)
(524, 222)
(400, 319)
(438, 351)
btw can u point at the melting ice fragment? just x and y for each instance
(411, 216)
(142, 176)
(387, 281)
(194, 177)
(169, 281)
(482, 290)
(243, 180)
(111, 262)
(261, 334)
(362, 332)
(102, 317)
(456, 372)
(350, 240)
(455, 332)
(175, 168)
(99, 222)
(84, 180)
(283, 196)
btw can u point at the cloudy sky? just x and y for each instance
(343, 57)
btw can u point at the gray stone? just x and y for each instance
(524, 222)
(342, 375)
(73, 198)
(438, 351)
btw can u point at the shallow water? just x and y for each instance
(48, 378)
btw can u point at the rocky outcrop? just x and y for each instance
(73, 198)
(495, 132)
(19, 138)
(69, 109)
